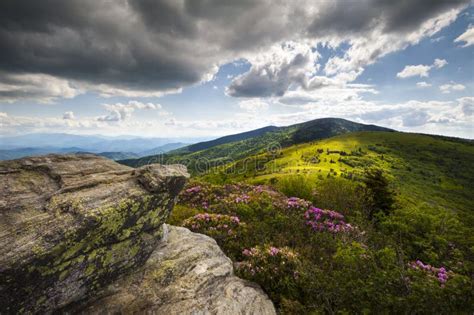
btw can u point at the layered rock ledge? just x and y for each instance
(83, 234)
(186, 274)
(71, 224)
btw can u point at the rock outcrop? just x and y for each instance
(186, 274)
(71, 224)
(83, 234)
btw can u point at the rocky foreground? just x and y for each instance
(83, 234)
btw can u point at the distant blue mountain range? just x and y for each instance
(122, 147)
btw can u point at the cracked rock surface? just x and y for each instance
(70, 224)
(83, 234)
(186, 274)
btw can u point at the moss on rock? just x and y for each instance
(91, 229)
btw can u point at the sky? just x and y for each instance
(207, 68)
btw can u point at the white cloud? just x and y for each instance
(413, 71)
(423, 84)
(439, 63)
(421, 70)
(42, 88)
(68, 115)
(467, 37)
(105, 90)
(253, 105)
(120, 112)
(450, 87)
(437, 39)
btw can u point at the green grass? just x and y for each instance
(424, 170)
(432, 221)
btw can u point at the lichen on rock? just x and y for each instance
(186, 274)
(83, 234)
(71, 224)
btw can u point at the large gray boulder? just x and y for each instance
(83, 234)
(71, 224)
(186, 274)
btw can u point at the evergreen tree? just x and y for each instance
(380, 198)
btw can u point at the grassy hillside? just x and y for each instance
(204, 155)
(302, 212)
(298, 221)
(423, 169)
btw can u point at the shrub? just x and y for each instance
(215, 225)
(226, 230)
(326, 220)
(274, 268)
(297, 186)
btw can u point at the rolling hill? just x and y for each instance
(426, 171)
(201, 156)
(430, 221)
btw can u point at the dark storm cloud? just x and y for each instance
(160, 45)
(395, 16)
(104, 42)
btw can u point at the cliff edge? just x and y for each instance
(81, 234)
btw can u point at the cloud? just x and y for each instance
(467, 105)
(42, 88)
(467, 37)
(437, 39)
(273, 72)
(421, 70)
(367, 48)
(353, 17)
(423, 84)
(439, 63)
(166, 45)
(413, 71)
(68, 115)
(450, 87)
(253, 105)
(416, 118)
(120, 112)
(24, 124)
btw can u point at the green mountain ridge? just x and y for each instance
(424, 169)
(202, 156)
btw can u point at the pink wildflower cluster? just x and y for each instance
(269, 261)
(259, 189)
(441, 274)
(326, 220)
(194, 189)
(242, 199)
(213, 223)
(198, 196)
(297, 203)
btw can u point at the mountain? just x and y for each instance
(11, 154)
(227, 139)
(163, 148)
(358, 215)
(54, 142)
(121, 147)
(223, 150)
(426, 170)
(118, 155)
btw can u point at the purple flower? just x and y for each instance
(235, 219)
(274, 251)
